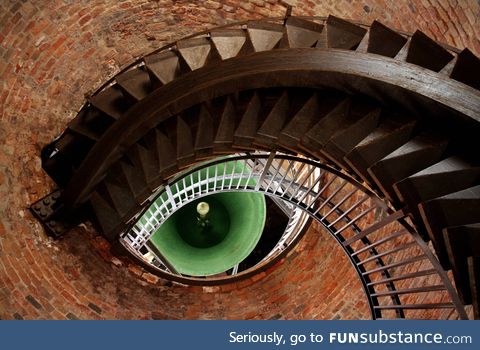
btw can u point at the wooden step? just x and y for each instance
(145, 162)
(342, 34)
(426, 52)
(390, 135)
(344, 140)
(467, 69)
(247, 128)
(413, 156)
(135, 179)
(205, 134)
(318, 135)
(224, 137)
(302, 33)
(228, 42)
(274, 122)
(163, 67)
(111, 101)
(264, 36)
(185, 142)
(135, 83)
(384, 41)
(462, 242)
(166, 154)
(106, 216)
(118, 195)
(301, 122)
(455, 209)
(195, 51)
(91, 123)
(447, 176)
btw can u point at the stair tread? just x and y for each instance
(136, 83)
(384, 41)
(454, 209)
(467, 69)
(185, 143)
(245, 132)
(462, 242)
(163, 67)
(205, 133)
(194, 51)
(228, 42)
(302, 33)
(106, 215)
(386, 138)
(413, 156)
(301, 122)
(342, 34)
(344, 140)
(226, 128)
(264, 36)
(426, 52)
(111, 102)
(273, 124)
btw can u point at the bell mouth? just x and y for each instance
(198, 245)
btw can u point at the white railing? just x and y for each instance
(263, 174)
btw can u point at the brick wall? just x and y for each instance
(51, 54)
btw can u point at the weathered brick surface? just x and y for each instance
(51, 54)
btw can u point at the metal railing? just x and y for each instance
(388, 255)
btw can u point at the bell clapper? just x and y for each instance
(202, 210)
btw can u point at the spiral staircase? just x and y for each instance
(390, 120)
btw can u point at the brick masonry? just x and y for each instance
(54, 52)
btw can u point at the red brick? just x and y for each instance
(66, 276)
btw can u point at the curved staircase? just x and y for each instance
(398, 114)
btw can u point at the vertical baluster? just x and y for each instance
(280, 183)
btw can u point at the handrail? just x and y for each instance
(319, 192)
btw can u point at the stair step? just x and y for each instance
(107, 217)
(223, 138)
(166, 154)
(426, 52)
(135, 179)
(302, 33)
(384, 41)
(467, 69)
(57, 160)
(228, 42)
(454, 209)
(273, 124)
(264, 36)
(163, 67)
(111, 101)
(462, 242)
(205, 134)
(90, 123)
(195, 51)
(319, 134)
(146, 162)
(344, 140)
(302, 121)
(248, 125)
(185, 142)
(415, 155)
(118, 194)
(390, 135)
(342, 34)
(447, 176)
(135, 83)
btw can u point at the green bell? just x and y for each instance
(212, 234)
